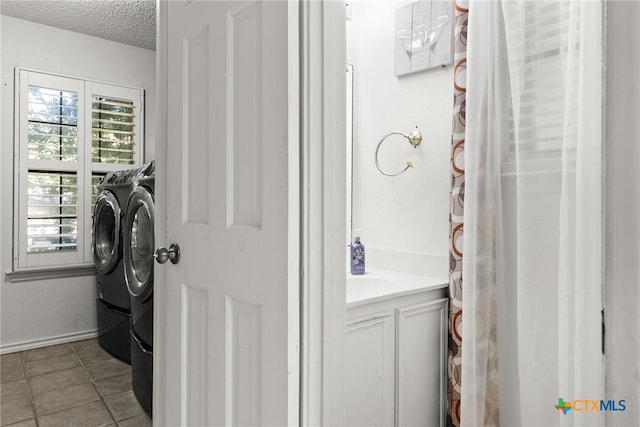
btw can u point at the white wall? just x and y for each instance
(622, 210)
(403, 220)
(42, 310)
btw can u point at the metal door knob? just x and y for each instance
(172, 254)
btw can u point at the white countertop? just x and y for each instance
(376, 285)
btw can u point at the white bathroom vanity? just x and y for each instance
(396, 350)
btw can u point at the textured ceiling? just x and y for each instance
(126, 21)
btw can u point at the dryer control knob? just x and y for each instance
(172, 254)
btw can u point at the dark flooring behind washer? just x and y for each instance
(67, 385)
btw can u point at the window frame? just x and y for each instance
(79, 259)
(518, 157)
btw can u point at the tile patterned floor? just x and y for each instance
(68, 385)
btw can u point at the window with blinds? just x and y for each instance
(52, 133)
(112, 130)
(53, 124)
(544, 97)
(52, 212)
(71, 132)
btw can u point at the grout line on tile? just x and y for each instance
(29, 389)
(70, 407)
(27, 379)
(92, 381)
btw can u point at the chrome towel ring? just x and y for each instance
(414, 138)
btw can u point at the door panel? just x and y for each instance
(227, 205)
(244, 124)
(244, 340)
(196, 59)
(195, 314)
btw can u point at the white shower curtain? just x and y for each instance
(533, 213)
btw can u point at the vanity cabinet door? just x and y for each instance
(396, 371)
(369, 370)
(421, 349)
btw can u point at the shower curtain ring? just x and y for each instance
(414, 138)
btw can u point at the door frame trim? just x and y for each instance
(294, 214)
(161, 397)
(323, 222)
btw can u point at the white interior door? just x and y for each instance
(227, 313)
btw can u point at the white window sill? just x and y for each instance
(40, 273)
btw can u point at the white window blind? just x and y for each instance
(95, 180)
(52, 211)
(112, 130)
(544, 100)
(71, 132)
(53, 124)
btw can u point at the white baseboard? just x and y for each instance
(45, 342)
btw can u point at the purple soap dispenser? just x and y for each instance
(357, 256)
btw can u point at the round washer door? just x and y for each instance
(105, 236)
(139, 243)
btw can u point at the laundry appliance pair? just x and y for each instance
(123, 245)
